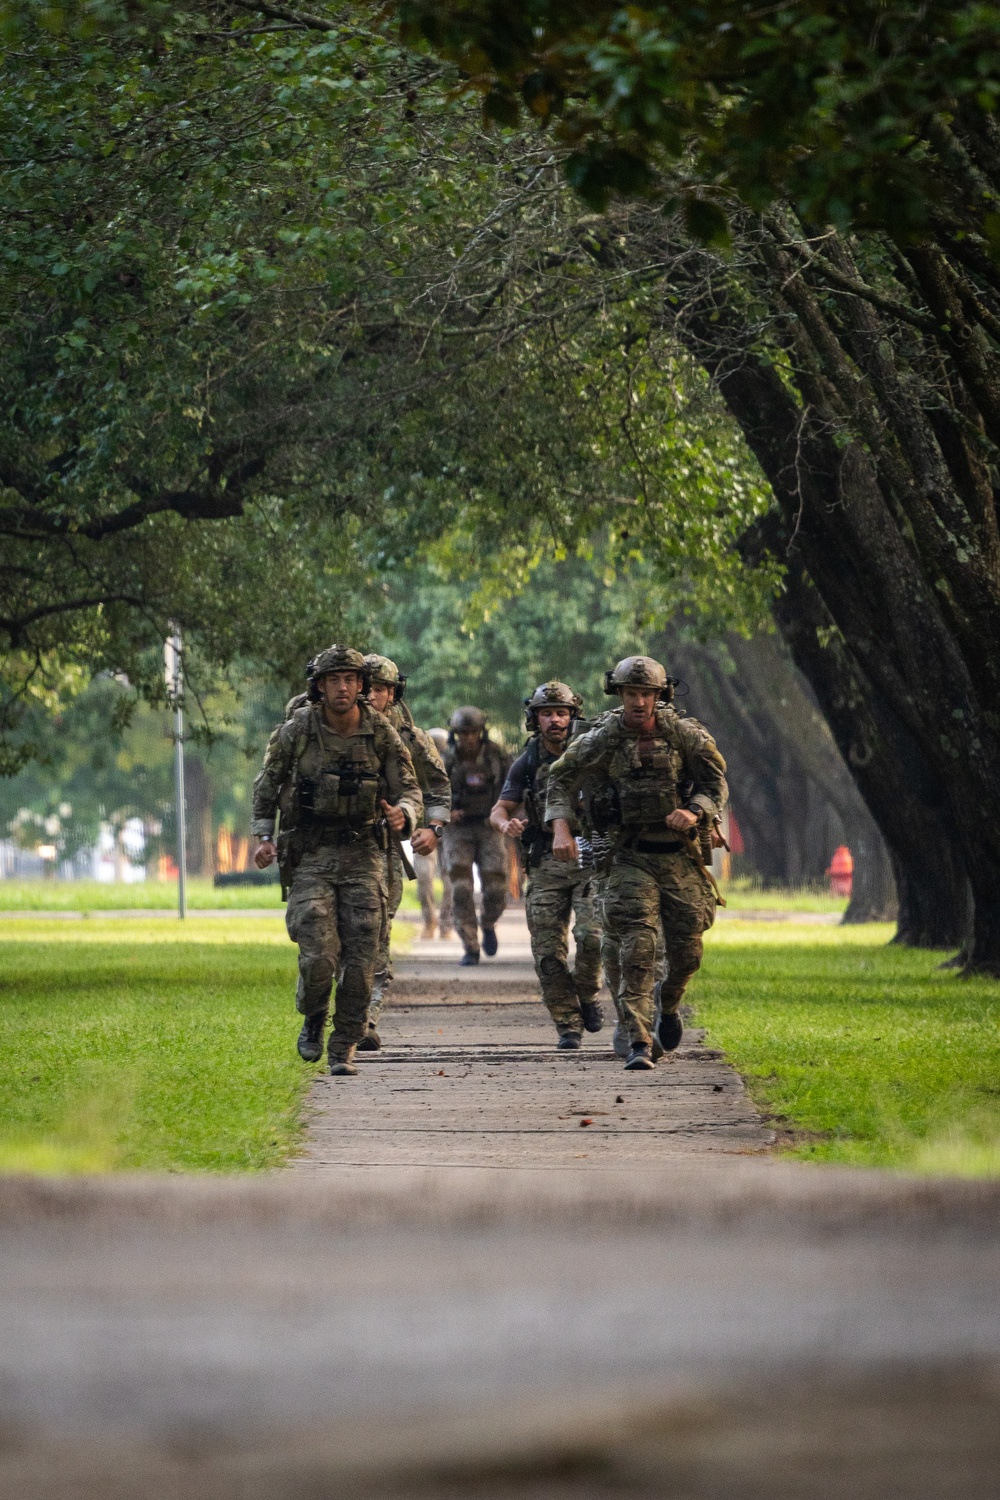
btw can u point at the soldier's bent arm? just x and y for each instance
(401, 780)
(271, 778)
(588, 753)
(706, 770)
(435, 783)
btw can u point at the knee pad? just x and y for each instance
(639, 946)
(550, 966)
(316, 971)
(684, 955)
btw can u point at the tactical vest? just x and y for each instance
(536, 840)
(339, 792)
(646, 792)
(473, 785)
(536, 776)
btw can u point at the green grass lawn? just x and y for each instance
(131, 1045)
(743, 895)
(866, 1055)
(149, 1044)
(151, 895)
(147, 895)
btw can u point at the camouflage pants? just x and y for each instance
(639, 896)
(610, 957)
(383, 963)
(556, 891)
(425, 866)
(466, 844)
(336, 908)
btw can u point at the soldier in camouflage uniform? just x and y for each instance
(664, 781)
(556, 890)
(477, 768)
(595, 846)
(385, 695)
(338, 773)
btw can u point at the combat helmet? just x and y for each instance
(336, 659)
(467, 718)
(551, 694)
(383, 669)
(643, 672)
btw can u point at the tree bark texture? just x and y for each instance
(904, 795)
(878, 441)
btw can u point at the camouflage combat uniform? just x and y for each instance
(475, 787)
(651, 876)
(328, 789)
(435, 787)
(556, 891)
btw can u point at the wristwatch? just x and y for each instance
(435, 828)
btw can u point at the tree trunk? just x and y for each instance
(799, 722)
(935, 907)
(901, 790)
(889, 534)
(873, 894)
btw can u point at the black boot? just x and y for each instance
(310, 1043)
(570, 1041)
(638, 1058)
(469, 957)
(669, 1030)
(371, 1041)
(489, 941)
(593, 1015)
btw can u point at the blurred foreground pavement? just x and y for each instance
(757, 1330)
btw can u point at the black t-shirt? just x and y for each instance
(517, 779)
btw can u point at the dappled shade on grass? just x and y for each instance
(866, 1054)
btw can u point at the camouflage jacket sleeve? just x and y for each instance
(586, 753)
(705, 767)
(435, 783)
(271, 778)
(402, 787)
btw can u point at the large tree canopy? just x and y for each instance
(839, 108)
(277, 312)
(846, 160)
(284, 318)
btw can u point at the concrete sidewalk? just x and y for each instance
(469, 1076)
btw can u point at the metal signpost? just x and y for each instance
(173, 671)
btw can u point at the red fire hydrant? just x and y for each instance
(841, 872)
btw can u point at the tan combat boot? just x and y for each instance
(342, 1064)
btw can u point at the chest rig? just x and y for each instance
(472, 786)
(646, 786)
(536, 840)
(336, 790)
